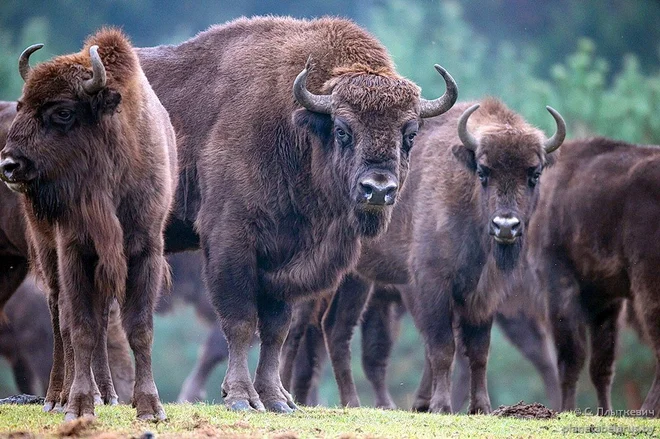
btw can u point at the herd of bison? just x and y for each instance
(324, 193)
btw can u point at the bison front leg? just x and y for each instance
(379, 330)
(274, 321)
(435, 323)
(302, 318)
(308, 365)
(531, 337)
(100, 366)
(476, 339)
(339, 322)
(83, 322)
(231, 277)
(145, 274)
(214, 352)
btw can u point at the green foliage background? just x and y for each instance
(597, 62)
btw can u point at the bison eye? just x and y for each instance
(342, 136)
(534, 179)
(482, 173)
(62, 116)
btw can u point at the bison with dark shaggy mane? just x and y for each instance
(595, 244)
(285, 168)
(93, 152)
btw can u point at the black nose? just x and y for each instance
(379, 189)
(505, 228)
(10, 168)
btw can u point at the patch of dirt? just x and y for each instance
(525, 411)
(20, 435)
(22, 399)
(75, 427)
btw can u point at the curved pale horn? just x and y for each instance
(24, 60)
(444, 102)
(557, 139)
(98, 79)
(466, 137)
(316, 103)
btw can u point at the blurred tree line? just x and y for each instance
(596, 61)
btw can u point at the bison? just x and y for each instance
(294, 143)
(454, 243)
(594, 244)
(93, 153)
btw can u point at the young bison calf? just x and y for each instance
(93, 153)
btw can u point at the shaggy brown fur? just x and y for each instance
(98, 173)
(595, 238)
(275, 190)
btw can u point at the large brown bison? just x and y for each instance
(595, 243)
(93, 152)
(454, 242)
(295, 139)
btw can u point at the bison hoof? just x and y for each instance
(279, 407)
(154, 417)
(59, 407)
(241, 405)
(479, 409)
(49, 406)
(113, 401)
(98, 400)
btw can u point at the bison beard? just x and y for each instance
(372, 223)
(47, 199)
(507, 255)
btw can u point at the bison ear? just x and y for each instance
(317, 123)
(465, 156)
(105, 101)
(551, 159)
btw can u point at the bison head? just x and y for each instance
(366, 126)
(507, 156)
(63, 124)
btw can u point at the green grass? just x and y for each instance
(200, 420)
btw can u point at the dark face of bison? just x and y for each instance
(366, 128)
(507, 160)
(57, 130)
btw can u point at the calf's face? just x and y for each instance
(507, 162)
(57, 130)
(366, 129)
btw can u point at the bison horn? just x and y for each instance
(316, 103)
(24, 60)
(557, 139)
(466, 137)
(97, 81)
(444, 102)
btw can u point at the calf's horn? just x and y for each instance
(24, 60)
(557, 139)
(97, 81)
(444, 102)
(316, 103)
(466, 137)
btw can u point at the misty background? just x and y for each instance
(595, 61)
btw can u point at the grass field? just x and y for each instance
(206, 421)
